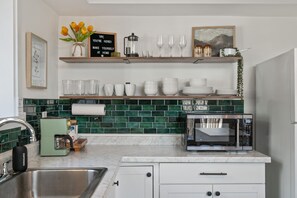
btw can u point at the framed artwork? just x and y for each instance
(218, 37)
(36, 61)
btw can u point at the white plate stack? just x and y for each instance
(230, 92)
(170, 86)
(198, 86)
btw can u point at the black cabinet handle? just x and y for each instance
(213, 173)
(217, 193)
(116, 183)
(149, 174)
(208, 193)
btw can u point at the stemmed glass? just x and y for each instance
(160, 43)
(182, 44)
(171, 43)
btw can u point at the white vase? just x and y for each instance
(78, 49)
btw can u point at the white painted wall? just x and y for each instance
(8, 89)
(266, 37)
(36, 17)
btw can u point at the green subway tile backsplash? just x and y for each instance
(128, 116)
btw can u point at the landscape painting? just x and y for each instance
(218, 37)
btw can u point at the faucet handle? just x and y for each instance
(5, 168)
(6, 162)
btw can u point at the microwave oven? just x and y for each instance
(218, 132)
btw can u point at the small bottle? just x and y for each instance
(198, 51)
(19, 158)
(207, 51)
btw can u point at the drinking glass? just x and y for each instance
(171, 43)
(182, 44)
(160, 43)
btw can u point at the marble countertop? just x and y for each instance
(110, 156)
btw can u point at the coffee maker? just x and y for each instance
(54, 136)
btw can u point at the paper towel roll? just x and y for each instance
(88, 109)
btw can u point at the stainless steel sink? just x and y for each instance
(49, 183)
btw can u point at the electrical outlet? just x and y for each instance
(44, 114)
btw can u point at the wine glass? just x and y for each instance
(182, 44)
(160, 43)
(171, 43)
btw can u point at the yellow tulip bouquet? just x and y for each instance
(79, 33)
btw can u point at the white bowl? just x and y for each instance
(228, 52)
(170, 91)
(150, 92)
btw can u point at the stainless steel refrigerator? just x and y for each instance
(276, 122)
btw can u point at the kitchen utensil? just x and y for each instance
(232, 92)
(119, 89)
(182, 44)
(230, 51)
(171, 43)
(150, 88)
(91, 87)
(131, 46)
(197, 90)
(108, 89)
(79, 87)
(68, 87)
(130, 89)
(160, 44)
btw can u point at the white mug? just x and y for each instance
(119, 89)
(130, 89)
(108, 89)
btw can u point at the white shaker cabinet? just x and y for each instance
(8, 59)
(206, 191)
(134, 182)
(203, 180)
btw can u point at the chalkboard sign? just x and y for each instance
(102, 44)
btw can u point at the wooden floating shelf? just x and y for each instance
(154, 97)
(129, 60)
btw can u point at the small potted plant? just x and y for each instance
(79, 33)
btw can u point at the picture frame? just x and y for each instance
(102, 44)
(36, 61)
(218, 37)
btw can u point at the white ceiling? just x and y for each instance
(286, 8)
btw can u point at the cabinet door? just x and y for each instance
(185, 191)
(242, 191)
(135, 182)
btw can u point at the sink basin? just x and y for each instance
(49, 183)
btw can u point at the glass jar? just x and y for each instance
(198, 51)
(207, 51)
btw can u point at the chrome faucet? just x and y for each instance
(5, 174)
(22, 122)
